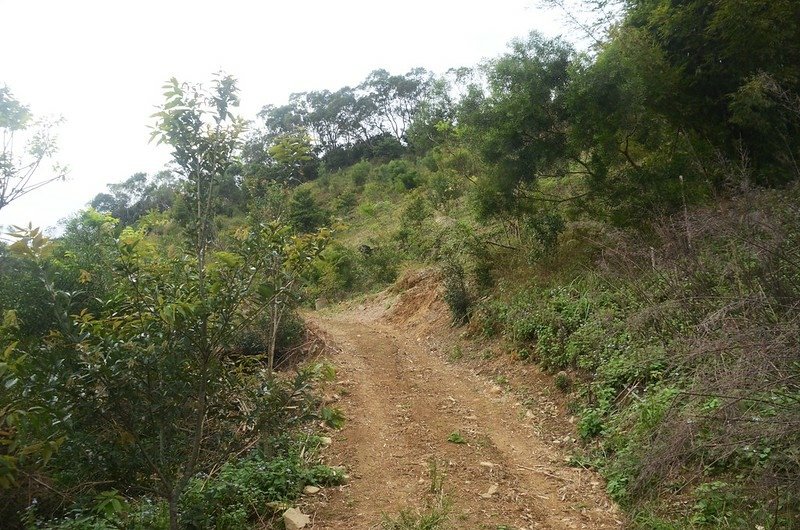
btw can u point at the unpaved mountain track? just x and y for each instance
(402, 401)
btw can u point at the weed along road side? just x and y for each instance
(428, 438)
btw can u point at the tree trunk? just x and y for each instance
(173, 511)
(273, 339)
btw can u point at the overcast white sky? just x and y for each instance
(101, 63)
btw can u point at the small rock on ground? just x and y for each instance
(294, 519)
(492, 490)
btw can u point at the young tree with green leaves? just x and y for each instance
(293, 152)
(305, 215)
(144, 385)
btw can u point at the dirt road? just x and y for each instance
(403, 401)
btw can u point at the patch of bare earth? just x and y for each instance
(402, 400)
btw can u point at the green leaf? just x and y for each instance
(333, 417)
(456, 438)
(266, 291)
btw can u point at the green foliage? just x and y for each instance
(562, 381)
(241, 492)
(22, 292)
(267, 199)
(591, 425)
(715, 506)
(292, 152)
(415, 212)
(336, 272)
(204, 135)
(345, 202)
(443, 188)
(254, 337)
(305, 214)
(107, 510)
(97, 349)
(545, 228)
(517, 125)
(415, 235)
(456, 438)
(399, 173)
(382, 265)
(359, 173)
(133, 384)
(332, 417)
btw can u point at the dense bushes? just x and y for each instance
(455, 292)
(152, 361)
(688, 357)
(242, 494)
(249, 490)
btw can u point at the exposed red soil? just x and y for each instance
(403, 399)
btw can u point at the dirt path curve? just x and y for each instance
(402, 402)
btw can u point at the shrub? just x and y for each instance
(240, 492)
(489, 317)
(336, 272)
(455, 292)
(443, 188)
(359, 173)
(305, 215)
(400, 173)
(591, 424)
(345, 202)
(563, 381)
(382, 265)
(543, 228)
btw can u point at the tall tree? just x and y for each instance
(204, 136)
(396, 98)
(520, 126)
(130, 199)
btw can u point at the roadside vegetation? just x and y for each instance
(625, 217)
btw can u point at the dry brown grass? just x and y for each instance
(729, 307)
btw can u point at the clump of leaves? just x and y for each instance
(456, 438)
(332, 417)
(240, 493)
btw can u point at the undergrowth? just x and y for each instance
(244, 493)
(685, 341)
